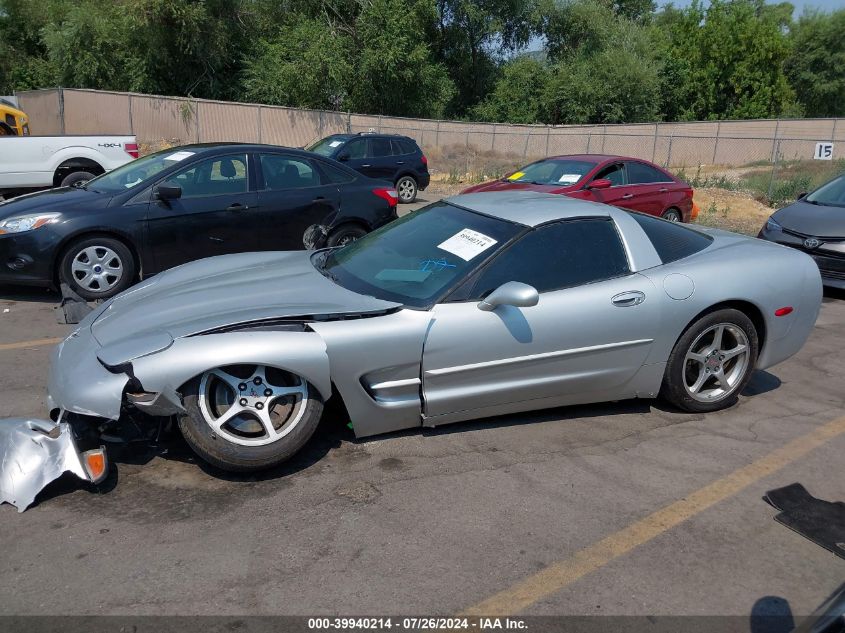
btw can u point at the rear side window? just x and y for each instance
(288, 172)
(380, 147)
(335, 175)
(560, 255)
(640, 173)
(671, 241)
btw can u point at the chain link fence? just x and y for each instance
(773, 160)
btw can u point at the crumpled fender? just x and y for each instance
(303, 353)
(32, 454)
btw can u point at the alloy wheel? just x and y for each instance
(406, 189)
(252, 405)
(716, 362)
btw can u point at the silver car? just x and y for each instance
(479, 305)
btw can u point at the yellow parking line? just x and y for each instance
(562, 573)
(26, 344)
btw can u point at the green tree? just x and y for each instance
(816, 66)
(306, 64)
(729, 58)
(395, 72)
(517, 96)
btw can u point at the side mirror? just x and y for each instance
(801, 195)
(512, 293)
(343, 157)
(600, 183)
(168, 191)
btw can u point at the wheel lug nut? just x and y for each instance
(242, 402)
(242, 386)
(257, 380)
(259, 405)
(268, 393)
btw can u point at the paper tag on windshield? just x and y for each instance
(569, 178)
(179, 156)
(467, 244)
(335, 143)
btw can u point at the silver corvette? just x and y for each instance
(479, 305)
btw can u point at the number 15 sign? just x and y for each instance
(824, 151)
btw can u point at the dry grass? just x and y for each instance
(731, 210)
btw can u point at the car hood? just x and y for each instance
(61, 199)
(228, 291)
(812, 219)
(507, 185)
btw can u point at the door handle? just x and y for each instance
(318, 199)
(400, 162)
(237, 207)
(366, 165)
(663, 190)
(629, 298)
(627, 196)
(217, 240)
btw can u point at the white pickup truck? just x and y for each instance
(41, 162)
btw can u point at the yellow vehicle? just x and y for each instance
(13, 122)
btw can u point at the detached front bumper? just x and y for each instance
(36, 452)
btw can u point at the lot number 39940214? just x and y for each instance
(824, 151)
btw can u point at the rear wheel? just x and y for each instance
(249, 417)
(345, 234)
(406, 187)
(673, 215)
(711, 362)
(76, 177)
(97, 267)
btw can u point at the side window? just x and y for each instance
(380, 147)
(215, 176)
(640, 173)
(560, 255)
(671, 240)
(613, 173)
(288, 172)
(356, 148)
(400, 148)
(335, 175)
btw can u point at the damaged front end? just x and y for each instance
(37, 452)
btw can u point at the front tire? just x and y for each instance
(406, 188)
(97, 267)
(712, 362)
(243, 418)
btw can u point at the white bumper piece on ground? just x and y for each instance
(34, 453)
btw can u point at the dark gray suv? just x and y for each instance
(391, 157)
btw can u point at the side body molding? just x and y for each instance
(301, 352)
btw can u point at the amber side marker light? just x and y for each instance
(96, 464)
(783, 311)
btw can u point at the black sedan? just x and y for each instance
(815, 224)
(183, 204)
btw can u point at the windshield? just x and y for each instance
(328, 145)
(832, 194)
(417, 258)
(137, 171)
(553, 172)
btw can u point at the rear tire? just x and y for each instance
(672, 215)
(97, 267)
(345, 234)
(406, 188)
(712, 362)
(242, 443)
(78, 176)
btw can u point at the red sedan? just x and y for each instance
(630, 183)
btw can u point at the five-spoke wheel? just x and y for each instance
(712, 361)
(248, 417)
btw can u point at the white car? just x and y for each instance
(41, 162)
